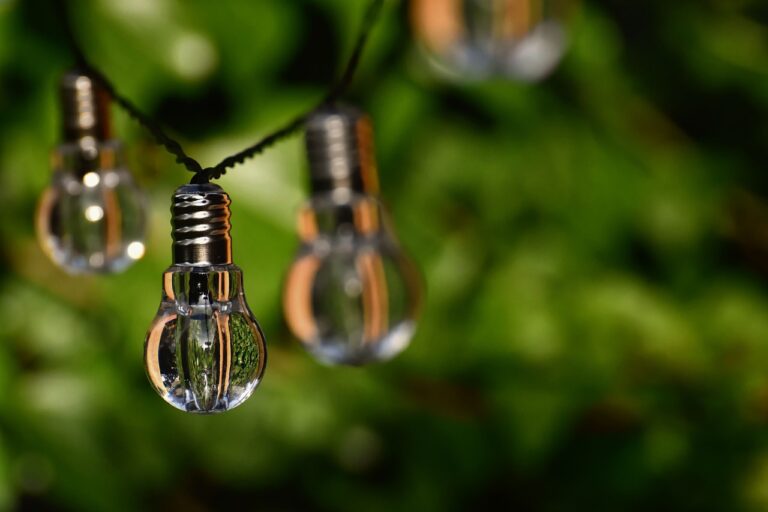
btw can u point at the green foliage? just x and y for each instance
(244, 345)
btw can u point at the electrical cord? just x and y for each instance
(174, 147)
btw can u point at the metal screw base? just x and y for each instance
(85, 108)
(339, 143)
(200, 222)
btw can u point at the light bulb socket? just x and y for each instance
(339, 142)
(85, 108)
(200, 221)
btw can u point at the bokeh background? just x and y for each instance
(595, 249)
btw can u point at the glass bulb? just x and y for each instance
(91, 221)
(477, 39)
(92, 217)
(204, 352)
(351, 295)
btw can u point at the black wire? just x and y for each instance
(370, 18)
(212, 173)
(63, 14)
(369, 21)
(81, 62)
(170, 144)
(204, 175)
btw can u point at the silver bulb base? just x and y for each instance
(200, 226)
(85, 108)
(339, 142)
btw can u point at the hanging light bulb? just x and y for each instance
(476, 39)
(351, 295)
(92, 217)
(204, 352)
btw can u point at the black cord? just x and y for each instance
(170, 144)
(212, 173)
(370, 18)
(369, 21)
(63, 14)
(204, 175)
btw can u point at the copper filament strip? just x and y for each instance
(375, 296)
(297, 299)
(153, 347)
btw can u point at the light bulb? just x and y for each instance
(204, 352)
(477, 39)
(351, 295)
(92, 216)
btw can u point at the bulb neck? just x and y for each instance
(73, 158)
(200, 226)
(85, 108)
(339, 142)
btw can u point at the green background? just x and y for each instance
(595, 249)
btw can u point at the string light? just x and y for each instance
(204, 352)
(477, 39)
(351, 295)
(92, 217)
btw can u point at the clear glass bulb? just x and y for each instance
(205, 351)
(92, 217)
(351, 296)
(477, 39)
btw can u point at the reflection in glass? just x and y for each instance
(92, 221)
(204, 351)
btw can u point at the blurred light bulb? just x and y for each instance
(351, 295)
(92, 213)
(204, 351)
(476, 39)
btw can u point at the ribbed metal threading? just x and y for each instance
(200, 221)
(339, 142)
(85, 108)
